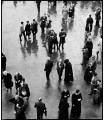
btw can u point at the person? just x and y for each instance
(50, 41)
(48, 67)
(28, 29)
(88, 73)
(98, 16)
(89, 45)
(89, 22)
(85, 57)
(64, 13)
(68, 71)
(18, 78)
(22, 32)
(24, 90)
(60, 68)
(16, 100)
(7, 80)
(62, 36)
(71, 11)
(63, 108)
(20, 112)
(76, 103)
(41, 108)
(3, 61)
(94, 64)
(94, 83)
(42, 25)
(65, 93)
(99, 50)
(34, 28)
(38, 5)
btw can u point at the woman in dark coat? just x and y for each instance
(76, 103)
(68, 71)
(63, 108)
(7, 80)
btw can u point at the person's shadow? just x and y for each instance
(96, 30)
(28, 48)
(70, 24)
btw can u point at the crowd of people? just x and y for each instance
(89, 63)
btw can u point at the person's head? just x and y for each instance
(62, 30)
(27, 22)
(33, 20)
(40, 99)
(93, 57)
(22, 23)
(90, 15)
(5, 72)
(77, 91)
(48, 58)
(66, 61)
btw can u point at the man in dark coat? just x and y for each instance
(38, 5)
(34, 27)
(62, 36)
(20, 115)
(89, 22)
(28, 29)
(88, 73)
(18, 78)
(63, 108)
(68, 71)
(3, 62)
(98, 16)
(89, 45)
(43, 25)
(24, 90)
(48, 67)
(76, 103)
(41, 108)
(8, 80)
(60, 67)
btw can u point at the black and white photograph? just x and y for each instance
(51, 60)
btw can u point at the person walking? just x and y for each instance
(60, 68)
(89, 22)
(34, 28)
(48, 67)
(76, 103)
(28, 29)
(22, 32)
(41, 108)
(68, 71)
(3, 61)
(98, 16)
(62, 36)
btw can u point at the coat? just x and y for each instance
(63, 109)
(25, 88)
(60, 67)
(76, 104)
(68, 72)
(20, 115)
(41, 108)
(8, 81)
(48, 66)
(65, 93)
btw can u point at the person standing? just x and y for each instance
(65, 93)
(3, 61)
(28, 29)
(34, 28)
(98, 16)
(68, 71)
(24, 90)
(48, 67)
(76, 103)
(60, 67)
(41, 108)
(8, 80)
(38, 5)
(89, 45)
(63, 108)
(22, 32)
(62, 36)
(89, 22)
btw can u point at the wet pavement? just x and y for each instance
(30, 62)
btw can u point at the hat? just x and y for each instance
(40, 99)
(77, 90)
